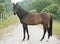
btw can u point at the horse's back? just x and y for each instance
(36, 18)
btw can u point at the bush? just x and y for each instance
(33, 11)
(54, 9)
(40, 4)
(1, 7)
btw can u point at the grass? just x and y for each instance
(5, 32)
(56, 27)
(8, 22)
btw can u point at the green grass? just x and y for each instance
(8, 22)
(56, 27)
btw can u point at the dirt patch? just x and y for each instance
(7, 31)
(58, 37)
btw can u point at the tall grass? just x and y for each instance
(56, 27)
(8, 22)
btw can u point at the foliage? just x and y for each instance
(7, 0)
(10, 21)
(56, 1)
(1, 7)
(6, 10)
(40, 4)
(51, 6)
(54, 9)
(33, 11)
(1, 1)
(7, 15)
(8, 7)
(56, 27)
(25, 4)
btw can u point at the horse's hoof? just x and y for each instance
(41, 40)
(47, 40)
(27, 39)
(23, 40)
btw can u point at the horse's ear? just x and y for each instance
(13, 4)
(17, 5)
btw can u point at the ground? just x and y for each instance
(14, 34)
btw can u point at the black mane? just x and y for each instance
(21, 12)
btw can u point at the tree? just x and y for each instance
(1, 10)
(1, 1)
(25, 4)
(54, 9)
(1, 7)
(56, 1)
(40, 4)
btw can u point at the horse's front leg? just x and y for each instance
(24, 32)
(25, 29)
(27, 32)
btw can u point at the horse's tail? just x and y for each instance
(50, 27)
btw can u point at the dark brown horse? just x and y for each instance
(27, 18)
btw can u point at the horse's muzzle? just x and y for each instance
(14, 13)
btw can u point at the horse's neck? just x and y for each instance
(22, 13)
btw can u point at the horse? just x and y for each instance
(27, 18)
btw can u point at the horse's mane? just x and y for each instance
(22, 9)
(22, 12)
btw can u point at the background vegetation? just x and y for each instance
(33, 6)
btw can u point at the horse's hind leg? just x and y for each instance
(43, 35)
(48, 34)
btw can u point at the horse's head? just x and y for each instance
(15, 8)
(19, 10)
